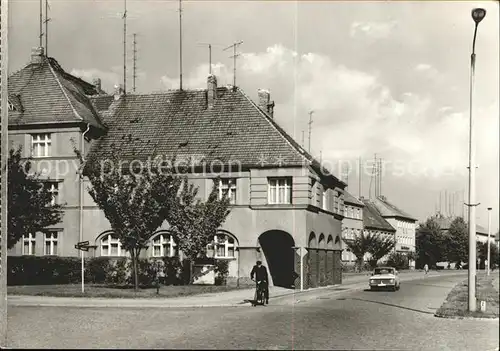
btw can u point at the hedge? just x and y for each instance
(43, 270)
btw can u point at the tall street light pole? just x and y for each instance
(477, 15)
(489, 234)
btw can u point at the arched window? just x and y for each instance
(111, 246)
(337, 239)
(321, 242)
(223, 246)
(312, 240)
(329, 242)
(164, 245)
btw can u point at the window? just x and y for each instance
(335, 202)
(40, 145)
(280, 190)
(111, 246)
(53, 188)
(224, 246)
(164, 245)
(29, 244)
(358, 213)
(324, 204)
(51, 243)
(227, 186)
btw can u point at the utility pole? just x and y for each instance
(234, 56)
(124, 47)
(489, 234)
(134, 76)
(310, 128)
(180, 44)
(359, 180)
(47, 19)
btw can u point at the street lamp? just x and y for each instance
(489, 234)
(477, 15)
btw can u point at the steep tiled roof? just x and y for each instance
(348, 198)
(372, 219)
(387, 209)
(179, 123)
(48, 94)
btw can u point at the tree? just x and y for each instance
(195, 223)
(458, 241)
(136, 201)
(381, 245)
(431, 243)
(482, 249)
(398, 260)
(30, 207)
(359, 247)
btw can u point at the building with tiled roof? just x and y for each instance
(481, 232)
(352, 224)
(284, 204)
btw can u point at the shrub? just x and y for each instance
(398, 260)
(221, 271)
(96, 269)
(36, 270)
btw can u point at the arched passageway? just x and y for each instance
(278, 248)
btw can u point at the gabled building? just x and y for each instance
(404, 224)
(352, 224)
(286, 209)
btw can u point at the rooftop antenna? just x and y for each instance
(47, 19)
(302, 138)
(135, 62)
(376, 177)
(234, 56)
(380, 178)
(125, 46)
(320, 157)
(347, 173)
(41, 24)
(310, 124)
(209, 55)
(359, 180)
(180, 44)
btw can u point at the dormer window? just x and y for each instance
(11, 106)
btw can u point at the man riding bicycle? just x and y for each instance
(261, 278)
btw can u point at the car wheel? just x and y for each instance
(394, 288)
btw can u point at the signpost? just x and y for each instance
(83, 246)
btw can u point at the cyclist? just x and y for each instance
(261, 277)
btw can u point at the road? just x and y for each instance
(400, 320)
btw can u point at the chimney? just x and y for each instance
(97, 84)
(37, 55)
(211, 90)
(118, 91)
(264, 102)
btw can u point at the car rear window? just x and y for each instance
(384, 271)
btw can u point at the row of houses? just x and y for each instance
(286, 208)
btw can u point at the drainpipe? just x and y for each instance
(301, 268)
(82, 149)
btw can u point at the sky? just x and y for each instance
(384, 78)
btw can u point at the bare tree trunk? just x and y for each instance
(136, 276)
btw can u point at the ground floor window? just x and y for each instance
(223, 246)
(164, 245)
(51, 240)
(29, 244)
(111, 246)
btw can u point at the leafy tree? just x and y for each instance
(458, 241)
(482, 249)
(431, 243)
(381, 245)
(398, 260)
(195, 222)
(136, 201)
(359, 247)
(30, 207)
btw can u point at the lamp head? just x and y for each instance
(478, 14)
(489, 208)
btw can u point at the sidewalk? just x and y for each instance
(234, 298)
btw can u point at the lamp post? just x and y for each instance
(489, 234)
(477, 15)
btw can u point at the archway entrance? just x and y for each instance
(278, 249)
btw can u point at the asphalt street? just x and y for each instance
(401, 320)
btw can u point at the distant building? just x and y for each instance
(481, 232)
(352, 224)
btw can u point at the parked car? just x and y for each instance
(385, 278)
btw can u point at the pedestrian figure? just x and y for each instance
(426, 268)
(260, 273)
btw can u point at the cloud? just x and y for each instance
(108, 78)
(375, 30)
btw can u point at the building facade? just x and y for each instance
(286, 209)
(352, 224)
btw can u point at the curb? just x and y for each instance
(493, 319)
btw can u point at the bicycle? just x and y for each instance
(259, 293)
